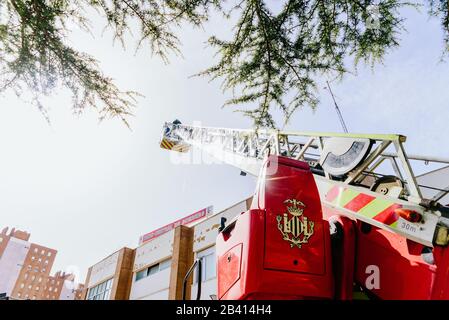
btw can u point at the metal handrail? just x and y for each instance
(184, 284)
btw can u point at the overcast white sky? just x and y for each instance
(87, 188)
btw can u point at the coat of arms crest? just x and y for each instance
(294, 226)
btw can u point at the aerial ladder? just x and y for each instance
(385, 239)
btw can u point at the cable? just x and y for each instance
(340, 116)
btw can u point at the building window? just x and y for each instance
(35, 250)
(42, 252)
(26, 276)
(22, 285)
(165, 264)
(37, 288)
(208, 264)
(40, 279)
(33, 257)
(141, 274)
(101, 291)
(153, 269)
(32, 278)
(49, 254)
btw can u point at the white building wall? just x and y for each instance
(103, 270)
(205, 235)
(67, 291)
(208, 288)
(11, 263)
(154, 251)
(155, 286)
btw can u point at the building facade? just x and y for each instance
(203, 247)
(110, 279)
(62, 286)
(25, 269)
(151, 269)
(159, 265)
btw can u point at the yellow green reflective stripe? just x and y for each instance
(394, 225)
(375, 207)
(345, 197)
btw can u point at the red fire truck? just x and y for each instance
(334, 216)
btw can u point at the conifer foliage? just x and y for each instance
(273, 60)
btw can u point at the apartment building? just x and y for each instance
(79, 292)
(162, 259)
(62, 286)
(25, 269)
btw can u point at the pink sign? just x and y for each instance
(184, 221)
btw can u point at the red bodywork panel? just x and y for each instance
(343, 257)
(283, 240)
(402, 272)
(257, 258)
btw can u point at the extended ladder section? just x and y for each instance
(365, 176)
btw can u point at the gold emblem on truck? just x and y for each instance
(294, 226)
